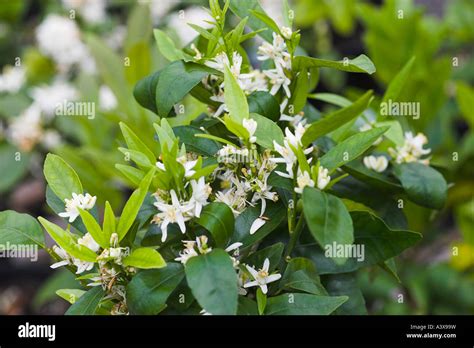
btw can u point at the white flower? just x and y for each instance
(188, 166)
(286, 152)
(107, 99)
(201, 192)
(278, 79)
(25, 131)
(65, 257)
(51, 139)
(256, 224)
(276, 51)
(286, 32)
(93, 11)
(262, 277)
(48, 98)
(234, 198)
(251, 126)
(303, 180)
(85, 202)
(88, 241)
(12, 79)
(379, 164)
(82, 266)
(171, 213)
(193, 248)
(253, 81)
(412, 150)
(60, 38)
(323, 178)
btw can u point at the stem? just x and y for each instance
(294, 236)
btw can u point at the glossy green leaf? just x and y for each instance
(87, 303)
(66, 241)
(19, 229)
(62, 179)
(134, 143)
(300, 274)
(213, 282)
(235, 98)
(167, 47)
(133, 205)
(345, 284)
(351, 148)
(265, 104)
(144, 258)
(395, 87)
(149, 290)
(242, 9)
(380, 243)
(12, 169)
(423, 184)
(203, 146)
(70, 295)
(94, 229)
(182, 77)
(327, 219)
(360, 64)
(218, 219)
(336, 119)
(303, 304)
(267, 131)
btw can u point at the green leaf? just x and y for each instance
(396, 86)
(183, 77)
(336, 119)
(261, 301)
(87, 303)
(134, 143)
(360, 64)
(265, 104)
(378, 241)
(133, 205)
(213, 282)
(167, 47)
(300, 274)
(11, 169)
(270, 23)
(345, 284)
(351, 148)
(144, 258)
(327, 219)
(94, 229)
(303, 304)
(235, 98)
(145, 91)
(149, 290)
(62, 179)
(272, 253)
(242, 9)
(267, 131)
(300, 92)
(70, 295)
(133, 174)
(20, 229)
(276, 214)
(423, 184)
(108, 225)
(203, 146)
(66, 241)
(218, 219)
